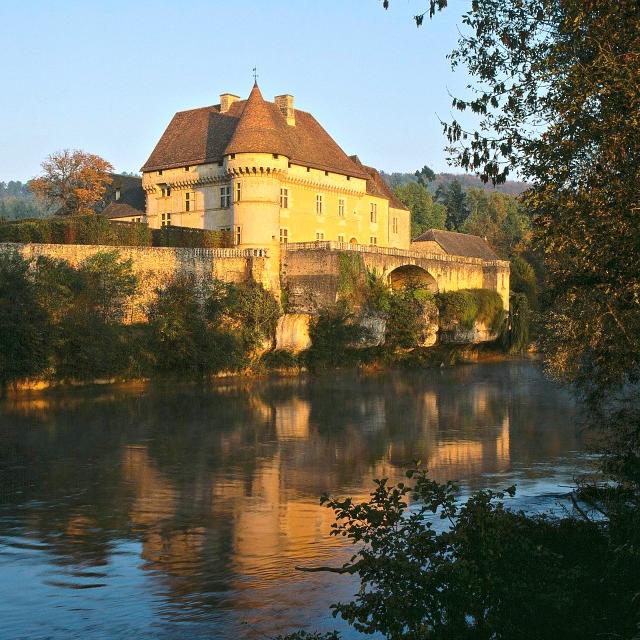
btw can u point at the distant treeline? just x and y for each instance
(17, 202)
(511, 187)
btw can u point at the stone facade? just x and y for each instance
(154, 266)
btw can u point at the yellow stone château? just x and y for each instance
(270, 174)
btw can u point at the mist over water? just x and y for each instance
(174, 511)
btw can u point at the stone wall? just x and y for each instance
(154, 266)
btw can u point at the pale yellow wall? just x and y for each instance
(259, 215)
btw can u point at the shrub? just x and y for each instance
(523, 280)
(172, 236)
(280, 359)
(182, 340)
(332, 334)
(406, 317)
(23, 322)
(247, 309)
(85, 229)
(466, 306)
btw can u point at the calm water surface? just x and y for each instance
(166, 512)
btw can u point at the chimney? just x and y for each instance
(285, 104)
(226, 100)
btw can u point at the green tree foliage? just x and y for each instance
(453, 197)
(447, 568)
(515, 335)
(182, 341)
(523, 279)
(409, 309)
(499, 218)
(23, 322)
(70, 323)
(248, 309)
(466, 306)
(425, 176)
(17, 202)
(334, 332)
(425, 213)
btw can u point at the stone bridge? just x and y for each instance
(310, 271)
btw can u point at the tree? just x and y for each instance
(453, 197)
(499, 218)
(425, 213)
(23, 322)
(425, 176)
(72, 182)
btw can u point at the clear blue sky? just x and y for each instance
(107, 77)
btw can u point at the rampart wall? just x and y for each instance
(155, 266)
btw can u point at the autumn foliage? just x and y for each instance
(72, 181)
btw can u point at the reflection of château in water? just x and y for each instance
(220, 488)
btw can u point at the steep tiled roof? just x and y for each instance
(117, 210)
(377, 185)
(260, 129)
(205, 135)
(460, 244)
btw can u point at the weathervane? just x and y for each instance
(255, 74)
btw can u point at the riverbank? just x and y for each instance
(286, 364)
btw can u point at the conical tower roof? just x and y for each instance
(260, 128)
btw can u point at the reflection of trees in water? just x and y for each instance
(224, 483)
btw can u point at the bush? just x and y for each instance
(86, 229)
(24, 347)
(406, 318)
(280, 359)
(466, 306)
(96, 229)
(489, 573)
(172, 236)
(182, 339)
(333, 334)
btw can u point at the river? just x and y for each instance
(172, 511)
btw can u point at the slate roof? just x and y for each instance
(118, 210)
(205, 135)
(459, 244)
(131, 191)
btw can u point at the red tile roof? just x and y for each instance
(377, 185)
(205, 135)
(459, 244)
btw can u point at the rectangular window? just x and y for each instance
(284, 236)
(165, 191)
(187, 168)
(284, 198)
(189, 201)
(225, 196)
(166, 220)
(341, 207)
(319, 205)
(118, 193)
(319, 235)
(373, 240)
(238, 235)
(373, 212)
(395, 225)
(238, 191)
(341, 237)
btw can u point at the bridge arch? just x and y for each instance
(411, 275)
